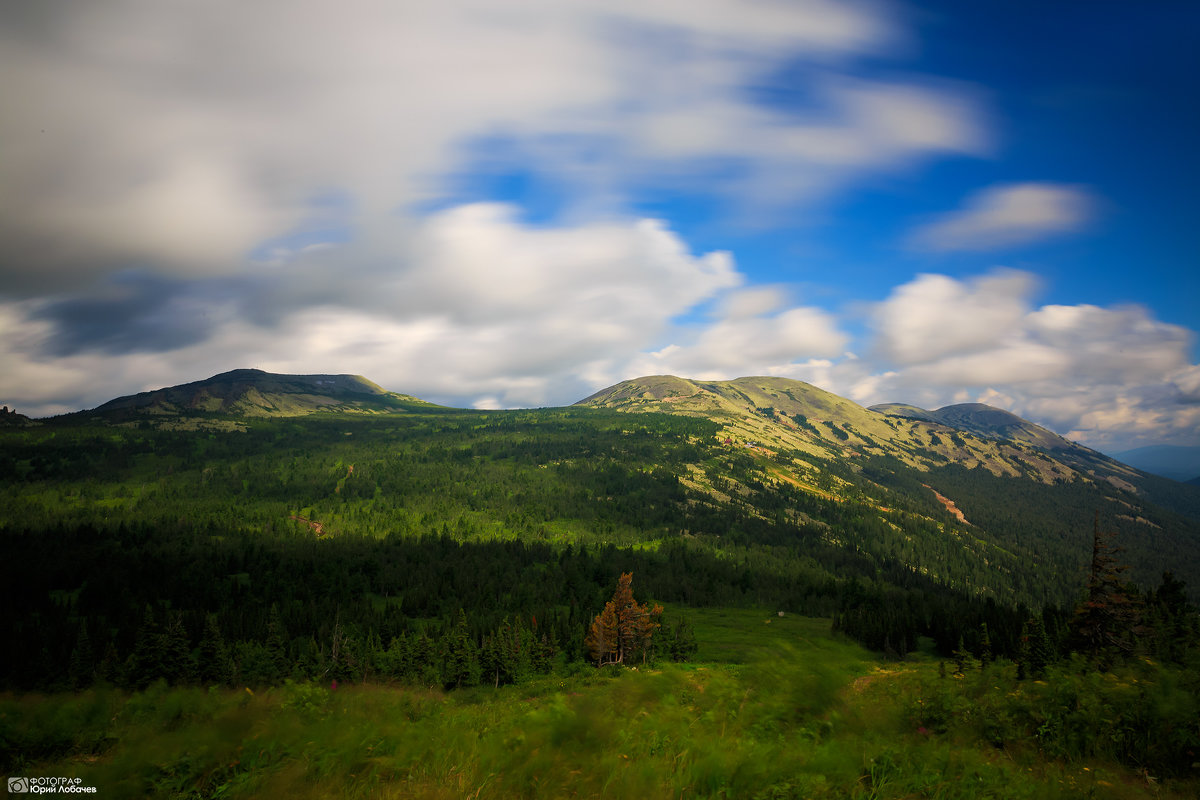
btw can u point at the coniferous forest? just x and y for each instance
(455, 551)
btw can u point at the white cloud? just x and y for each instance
(497, 308)
(478, 264)
(935, 316)
(752, 302)
(1113, 376)
(1008, 215)
(179, 139)
(762, 344)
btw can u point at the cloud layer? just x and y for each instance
(141, 135)
(185, 190)
(1111, 377)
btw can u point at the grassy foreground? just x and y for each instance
(775, 707)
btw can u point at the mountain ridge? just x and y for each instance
(1179, 463)
(983, 420)
(256, 393)
(766, 411)
(776, 451)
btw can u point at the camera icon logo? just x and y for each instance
(18, 785)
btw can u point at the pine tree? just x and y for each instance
(602, 640)
(1104, 623)
(176, 650)
(524, 650)
(645, 623)
(1173, 622)
(110, 669)
(145, 663)
(371, 655)
(1036, 647)
(462, 662)
(277, 644)
(425, 669)
(683, 641)
(213, 663)
(961, 656)
(985, 647)
(82, 668)
(624, 629)
(491, 659)
(543, 660)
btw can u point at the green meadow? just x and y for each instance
(771, 707)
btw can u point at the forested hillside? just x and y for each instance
(308, 544)
(255, 533)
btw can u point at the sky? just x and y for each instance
(516, 204)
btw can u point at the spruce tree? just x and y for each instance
(213, 663)
(961, 657)
(491, 659)
(462, 661)
(277, 644)
(110, 669)
(1035, 647)
(683, 641)
(81, 670)
(985, 647)
(145, 663)
(176, 650)
(1173, 621)
(1104, 624)
(543, 660)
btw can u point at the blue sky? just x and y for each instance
(505, 205)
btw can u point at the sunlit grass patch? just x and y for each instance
(792, 711)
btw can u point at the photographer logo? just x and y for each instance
(48, 785)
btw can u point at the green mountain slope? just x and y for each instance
(1016, 495)
(777, 412)
(254, 393)
(974, 498)
(982, 420)
(759, 493)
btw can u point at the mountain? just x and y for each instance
(1020, 497)
(778, 412)
(756, 461)
(905, 410)
(423, 547)
(255, 393)
(387, 513)
(1170, 461)
(982, 420)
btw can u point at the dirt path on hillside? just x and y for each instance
(948, 503)
(317, 527)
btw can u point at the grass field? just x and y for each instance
(773, 707)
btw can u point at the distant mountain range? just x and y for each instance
(1007, 496)
(1170, 461)
(763, 412)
